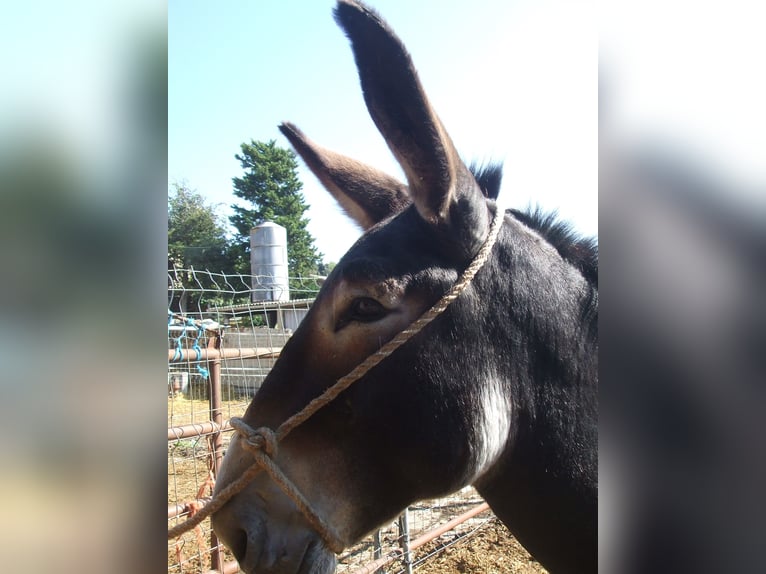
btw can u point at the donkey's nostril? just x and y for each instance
(238, 545)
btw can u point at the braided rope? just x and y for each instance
(263, 442)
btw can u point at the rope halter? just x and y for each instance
(263, 443)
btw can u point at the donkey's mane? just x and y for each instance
(581, 252)
(488, 176)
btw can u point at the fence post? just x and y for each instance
(216, 402)
(377, 550)
(404, 540)
(216, 439)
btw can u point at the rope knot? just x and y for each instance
(262, 439)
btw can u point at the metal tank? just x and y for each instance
(268, 262)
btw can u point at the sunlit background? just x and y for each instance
(513, 82)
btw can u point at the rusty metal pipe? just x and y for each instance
(197, 429)
(228, 568)
(216, 414)
(216, 439)
(183, 355)
(436, 532)
(421, 540)
(179, 509)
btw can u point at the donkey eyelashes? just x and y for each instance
(366, 309)
(362, 310)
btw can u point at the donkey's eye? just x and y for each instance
(366, 310)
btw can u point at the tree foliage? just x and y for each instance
(196, 235)
(271, 185)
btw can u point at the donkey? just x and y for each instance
(499, 391)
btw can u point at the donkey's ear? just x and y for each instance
(443, 190)
(366, 194)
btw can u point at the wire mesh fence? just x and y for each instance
(224, 334)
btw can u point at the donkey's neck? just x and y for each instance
(544, 486)
(548, 503)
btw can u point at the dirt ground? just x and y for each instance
(491, 550)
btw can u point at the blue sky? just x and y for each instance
(512, 81)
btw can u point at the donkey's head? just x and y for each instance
(433, 416)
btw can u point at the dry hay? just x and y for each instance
(183, 410)
(481, 544)
(489, 550)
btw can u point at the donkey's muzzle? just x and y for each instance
(265, 544)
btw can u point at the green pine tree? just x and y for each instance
(271, 185)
